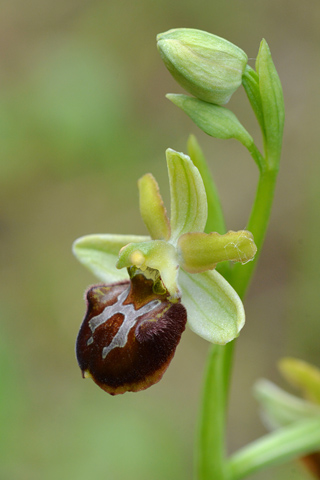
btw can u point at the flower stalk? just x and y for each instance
(210, 453)
(217, 380)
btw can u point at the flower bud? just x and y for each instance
(129, 334)
(207, 66)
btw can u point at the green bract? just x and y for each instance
(264, 91)
(216, 121)
(179, 251)
(272, 102)
(207, 66)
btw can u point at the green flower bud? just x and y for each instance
(207, 66)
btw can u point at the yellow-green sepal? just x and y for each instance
(189, 208)
(215, 311)
(302, 375)
(199, 252)
(99, 253)
(152, 209)
(157, 255)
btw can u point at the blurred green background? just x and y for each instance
(82, 117)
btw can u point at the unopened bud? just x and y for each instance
(207, 66)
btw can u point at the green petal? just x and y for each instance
(155, 254)
(189, 209)
(152, 209)
(199, 252)
(215, 311)
(99, 253)
(280, 408)
(302, 375)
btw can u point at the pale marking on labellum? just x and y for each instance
(130, 318)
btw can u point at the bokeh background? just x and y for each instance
(82, 117)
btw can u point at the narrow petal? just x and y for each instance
(157, 255)
(215, 311)
(99, 253)
(189, 209)
(199, 252)
(152, 209)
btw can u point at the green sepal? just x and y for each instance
(155, 254)
(250, 82)
(189, 209)
(272, 103)
(152, 209)
(199, 252)
(279, 408)
(99, 253)
(215, 311)
(216, 121)
(302, 375)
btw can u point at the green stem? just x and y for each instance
(210, 461)
(211, 455)
(255, 153)
(277, 447)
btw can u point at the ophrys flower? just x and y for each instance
(132, 327)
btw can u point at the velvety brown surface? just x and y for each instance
(150, 343)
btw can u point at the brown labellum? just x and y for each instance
(129, 335)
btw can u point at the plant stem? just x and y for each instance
(277, 447)
(255, 153)
(211, 462)
(211, 454)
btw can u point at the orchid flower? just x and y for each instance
(154, 283)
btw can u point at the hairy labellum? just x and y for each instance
(129, 335)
